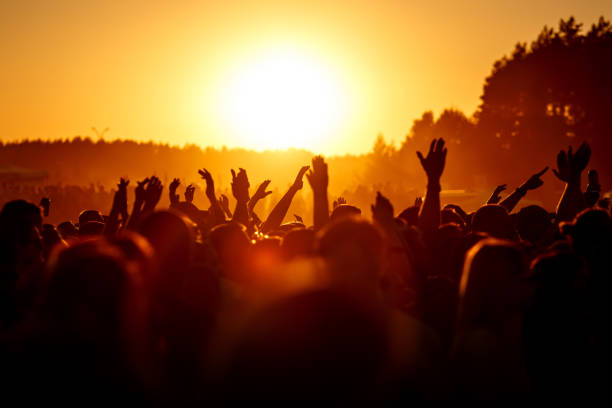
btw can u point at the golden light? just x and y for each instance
(281, 99)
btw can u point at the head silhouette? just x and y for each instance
(410, 215)
(490, 288)
(20, 242)
(298, 243)
(90, 216)
(354, 248)
(494, 220)
(533, 223)
(91, 293)
(343, 211)
(232, 247)
(450, 216)
(67, 230)
(172, 238)
(591, 233)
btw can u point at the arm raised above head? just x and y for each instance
(319, 180)
(433, 164)
(279, 211)
(569, 170)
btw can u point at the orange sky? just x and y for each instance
(160, 70)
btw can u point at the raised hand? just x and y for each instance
(224, 203)
(174, 198)
(278, 213)
(210, 184)
(570, 165)
(152, 193)
(318, 179)
(45, 203)
(317, 176)
(261, 191)
(593, 190)
(569, 169)
(382, 210)
(189, 192)
(433, 164)
(299, 182)
(140, 190)
(119, 208)
(339, 201)
(120, 199)
(534, 181)
(495, 197)
(418, 202)
(593, 181)
(240, 185)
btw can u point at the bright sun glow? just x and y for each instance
(283, 99)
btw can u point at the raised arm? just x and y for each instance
(224, 203)
(433, 164)
(495, 197)
(139, 199)
(260, 193)
(569, 170)
(593, 190)
(45, 204)
(319, 179)
(153, 194)
(279, 211)
(532, 183)
(174, 198)
(382, 212)
(240, 189)
(215, 207)
(189, 193)
(119, 208)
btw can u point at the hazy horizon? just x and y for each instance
(164, 72)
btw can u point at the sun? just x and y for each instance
(282, 99)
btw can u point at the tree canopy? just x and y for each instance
(553, 92)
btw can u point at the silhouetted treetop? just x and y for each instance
(552, 91)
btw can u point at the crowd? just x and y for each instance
(68, 200)
(193, 306)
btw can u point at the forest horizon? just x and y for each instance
(260, 75)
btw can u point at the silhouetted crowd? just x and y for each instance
(68, 200)
(185, 306)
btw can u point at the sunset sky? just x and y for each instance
(324, 75)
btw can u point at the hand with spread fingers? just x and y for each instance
(210, 184)
(224, 203)
(570, 165)
(317, 176)
(140, 190)
(240, 185)
(189, 193)
(434, 163)
(152, 193)
(174, 198)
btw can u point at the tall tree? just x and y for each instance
(549, 94)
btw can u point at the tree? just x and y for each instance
(555, 92)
